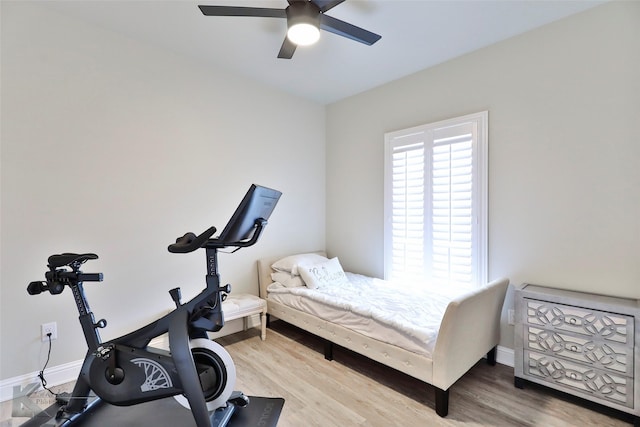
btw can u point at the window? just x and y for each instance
(436, 202)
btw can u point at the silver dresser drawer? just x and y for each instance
(610, 357)
(580, 321)
(580, 379)
(579, 343)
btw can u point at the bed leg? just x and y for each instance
(442, 402)
(328, 350)
(491, 357)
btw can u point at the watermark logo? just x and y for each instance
(265, 418)
(25, 406)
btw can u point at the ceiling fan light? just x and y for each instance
(303, 34)
(303, 23)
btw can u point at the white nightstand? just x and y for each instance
(238, 306)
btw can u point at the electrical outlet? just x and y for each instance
(49, 328)
(512, 316)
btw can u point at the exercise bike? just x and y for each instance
(197, 372)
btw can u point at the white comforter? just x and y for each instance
(415, 311)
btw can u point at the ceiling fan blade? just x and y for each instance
(287, 49)
(347, 30)
(242, 11)
(325, 5)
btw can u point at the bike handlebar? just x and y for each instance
(73, 276)
(190, 242)
(57, 279)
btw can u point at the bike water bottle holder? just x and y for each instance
(207, 317)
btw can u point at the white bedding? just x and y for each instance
(406, 316)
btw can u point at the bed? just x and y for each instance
(467, 329)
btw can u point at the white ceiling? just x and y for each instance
(416, 34)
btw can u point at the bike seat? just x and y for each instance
(61, 260)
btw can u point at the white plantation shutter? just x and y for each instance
(435, 202)
(407, 220)
(451, 204)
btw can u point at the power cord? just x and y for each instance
(41, 374)
(61, 398)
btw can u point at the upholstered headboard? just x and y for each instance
(264, 271)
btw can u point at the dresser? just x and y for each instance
(579, 343)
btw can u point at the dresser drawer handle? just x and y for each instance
(573, 321)
(574, 348)
(573, 375)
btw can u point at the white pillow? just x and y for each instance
(287, 279)
(322, 274)
(288, 264)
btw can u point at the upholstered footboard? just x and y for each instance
(470, 330)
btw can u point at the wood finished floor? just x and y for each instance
(354, 391)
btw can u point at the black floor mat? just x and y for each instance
(261, 412)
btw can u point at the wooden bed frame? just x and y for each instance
(470, 329)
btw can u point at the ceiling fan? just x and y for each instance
(305, 19)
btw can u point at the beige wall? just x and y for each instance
(564, 180)
(113, 147)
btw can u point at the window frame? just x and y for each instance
(479, 159)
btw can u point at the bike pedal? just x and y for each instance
(240, 401)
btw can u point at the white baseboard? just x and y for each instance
(505, 356)
(55, 375)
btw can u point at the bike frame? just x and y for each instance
(190, 320)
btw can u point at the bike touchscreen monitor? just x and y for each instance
(259, 202)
